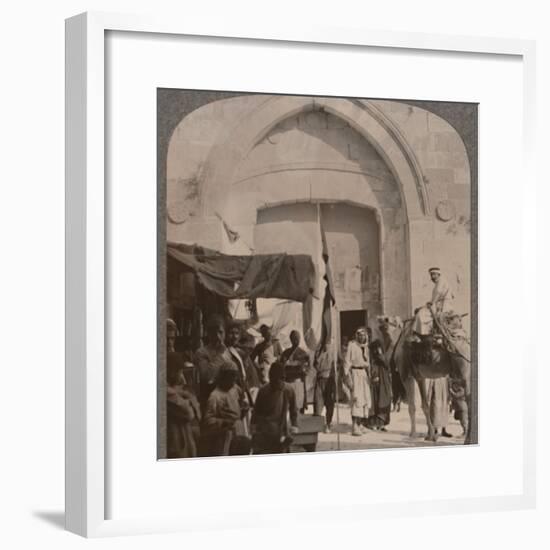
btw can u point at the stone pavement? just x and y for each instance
(397, 435)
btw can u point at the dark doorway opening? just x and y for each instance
(351, 320)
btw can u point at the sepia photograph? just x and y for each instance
(317, 268)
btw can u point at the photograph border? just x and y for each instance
(440, 108)
(86, 290)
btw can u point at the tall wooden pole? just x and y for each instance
(335, 347)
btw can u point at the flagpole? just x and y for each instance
(336, 387)
(333, 336)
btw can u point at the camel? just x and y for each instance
(452, 358)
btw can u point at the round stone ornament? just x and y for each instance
(445, 211)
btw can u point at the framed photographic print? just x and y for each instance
(289, 269)
(302, 238)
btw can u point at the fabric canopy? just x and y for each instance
(289, 277)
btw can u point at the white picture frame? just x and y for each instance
(86, 478)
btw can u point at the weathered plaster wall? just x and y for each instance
(314, 155)
(317, 157)
(438, 241)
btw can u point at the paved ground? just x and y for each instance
(396, 436)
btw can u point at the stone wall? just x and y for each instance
(313, 155)
(443, 238)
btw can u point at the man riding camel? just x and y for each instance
(442, 301)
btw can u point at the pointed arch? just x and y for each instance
(225, 157)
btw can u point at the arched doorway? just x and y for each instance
(248, 166)
(354, 245)
(353, 239)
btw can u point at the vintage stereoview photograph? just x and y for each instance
(317, 273)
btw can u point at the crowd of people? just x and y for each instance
(234, 396)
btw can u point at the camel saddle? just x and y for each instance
(447, 335)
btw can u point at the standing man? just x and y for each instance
(437, 395)
(211, 357)
(171, 335)
(245, 347)
(275, 404)
(247, 378)
(342, 388)
(442, 300)
(442, 295)
(296, 363)
(381, 390)
(356, 373)
(266, 352)
(325, 385)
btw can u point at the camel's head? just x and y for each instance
(388, 323)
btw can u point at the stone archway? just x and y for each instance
(226, 158)
(227, 154)
(208, 172)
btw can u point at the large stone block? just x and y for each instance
(377, 183)
(335, 122)
(440, 175)
(312, 120)
(452, 255)
(394, 218)
(463, 208)
(461, 192)
(389, 199)
(437, 124)
(462, 175)
(436, 192)
(439, 159)
(420, 144)
(448, 142)
(376, 168)
(458, 227)
(288, 190)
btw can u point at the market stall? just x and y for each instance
(202, 281)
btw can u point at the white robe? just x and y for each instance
(442, 300)
(357, 355)
(442, 296)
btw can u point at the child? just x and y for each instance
(225, 409)
(458, 396)
(183, 411)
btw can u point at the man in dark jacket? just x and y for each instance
(325, 385)
(296, 363)
(275, 401)
(380, 379)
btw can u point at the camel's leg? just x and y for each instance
(468, 437)
(422, 386)
(411, 401)
(468, 392)
(464, 370)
